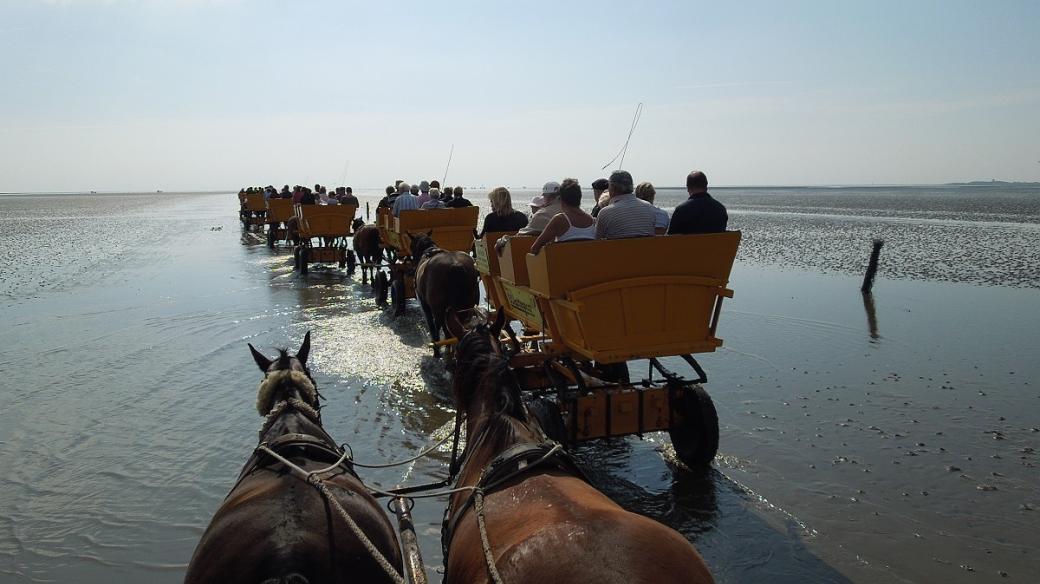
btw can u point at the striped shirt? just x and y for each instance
(626, 216)
(405, 202)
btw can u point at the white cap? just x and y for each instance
(551, 188)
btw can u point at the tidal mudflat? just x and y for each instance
(888, 439)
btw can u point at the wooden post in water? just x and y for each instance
(368, 214)
(868, 279)
(413, 564)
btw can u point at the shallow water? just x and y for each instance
(906, 454)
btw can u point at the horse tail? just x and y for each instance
(292, 578)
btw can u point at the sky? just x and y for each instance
(113, 95)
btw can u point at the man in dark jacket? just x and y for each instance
(459, 200)
(700, 213)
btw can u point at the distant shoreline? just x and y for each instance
(987, 183)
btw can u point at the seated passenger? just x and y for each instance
(433, 200)
(388, 200)
(548, 204)
(700, 213)
(346, 196)
(424, 193)
(600, 198)
(458, 201)
(625, 216)
(502, 216)
(645, 191)
(572, 223)
(551, 196)
(405, 200)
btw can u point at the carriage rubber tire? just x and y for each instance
(304, 257)
(547, 413)
(397, 299)
(380, 287)
(695, 433)
(270, 237)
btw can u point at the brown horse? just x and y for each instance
(276, 528)
(368, 249)
(542, 521)
(443, 279)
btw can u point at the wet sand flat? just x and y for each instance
(899, 452)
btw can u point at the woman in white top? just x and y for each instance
(572, 223)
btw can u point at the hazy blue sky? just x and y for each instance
(189, 94)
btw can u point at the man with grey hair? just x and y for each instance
(424, 192)
(405, 201)
(626, 216)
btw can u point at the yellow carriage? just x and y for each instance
(254, 211)
(279, 212)
(451, 229)
(587, 308)
(330, 225)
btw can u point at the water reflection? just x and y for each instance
(868, 305)
(717, 514)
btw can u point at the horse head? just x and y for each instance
(421, 242)
(286, 379)
(357, 224)
(481, 368)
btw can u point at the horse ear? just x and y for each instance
(454, 325)
(261, 361)
(500, 321)
(305, 348)
(429, 233)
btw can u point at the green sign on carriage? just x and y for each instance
(523, 304)
(481, 257)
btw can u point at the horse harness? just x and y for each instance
(300, 444)
(513, 462)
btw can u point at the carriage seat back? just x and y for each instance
(279, 210)
(615, 300)
(255, 202)
(325, 220)
(452, 228)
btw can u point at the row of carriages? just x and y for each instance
(597, 329)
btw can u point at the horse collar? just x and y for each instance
(512, 462)
(430, 252)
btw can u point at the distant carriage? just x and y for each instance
(450, 229)
(323, 231)
(253, 211)
(279, 212)
(588, 308)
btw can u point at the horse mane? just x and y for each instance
(484, 370)
(420, 243)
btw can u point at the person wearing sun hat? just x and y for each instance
(551, 198)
